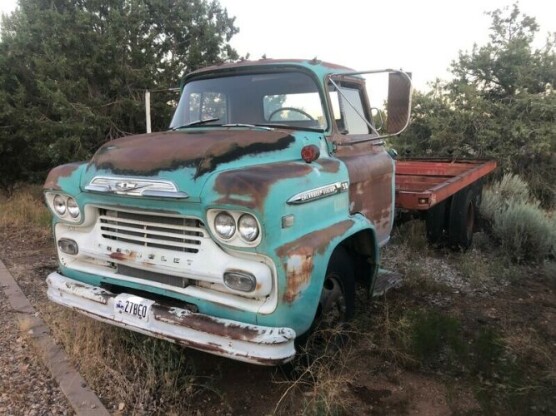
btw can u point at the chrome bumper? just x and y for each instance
(250, 343)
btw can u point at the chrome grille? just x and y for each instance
(151, 230)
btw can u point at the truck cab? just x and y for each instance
(245, 224)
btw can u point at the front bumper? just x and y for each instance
(250, 343)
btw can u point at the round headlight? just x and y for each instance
(225, 225)
(248, 227)
(59, 205)
(73, 208)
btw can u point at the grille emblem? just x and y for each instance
(126, 186)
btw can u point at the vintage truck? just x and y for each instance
(255, 216)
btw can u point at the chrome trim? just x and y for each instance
(318, 193)
(135, 187)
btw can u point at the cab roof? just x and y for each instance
(319, 68)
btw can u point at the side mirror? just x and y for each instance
(399, 102)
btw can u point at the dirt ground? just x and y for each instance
(375, 376)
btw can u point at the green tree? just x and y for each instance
(73, 73)
(500, 104)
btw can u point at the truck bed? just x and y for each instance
(422, 183)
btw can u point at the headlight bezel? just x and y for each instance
(58, 199)
(237, 239)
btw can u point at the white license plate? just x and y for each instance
(132, 307)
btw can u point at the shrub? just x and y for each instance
(517, 222)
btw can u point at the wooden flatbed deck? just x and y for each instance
(422, 183)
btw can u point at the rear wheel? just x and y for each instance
(436, 223)
(462, 219)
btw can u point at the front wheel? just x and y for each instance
(336, 306)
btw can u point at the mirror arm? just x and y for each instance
(373, 129)
(379, 137)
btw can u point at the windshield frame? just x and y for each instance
(256, 70)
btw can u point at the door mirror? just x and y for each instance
(399, 102)
(397, 108)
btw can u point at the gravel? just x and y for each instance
(26, 387)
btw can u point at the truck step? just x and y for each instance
(387, 280)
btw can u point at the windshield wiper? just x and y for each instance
(290, 127)
(197, 123)
(250, 126)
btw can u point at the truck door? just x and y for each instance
(370, 167)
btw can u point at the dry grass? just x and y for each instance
(147, 375)
(320, 383)
(26, 206)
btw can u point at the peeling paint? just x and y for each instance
(250, 186)
(299, 256)
(299, 268)
(55, 174)
(148, 154)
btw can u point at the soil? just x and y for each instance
(369, 383)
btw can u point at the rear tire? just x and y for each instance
(435, 220)
(462, 219)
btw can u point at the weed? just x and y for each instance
(145, 373)
(24, 207)
(412, 234)
(435, 338)
(320, 381)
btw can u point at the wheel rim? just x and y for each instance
(333, 304)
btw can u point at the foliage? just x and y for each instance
(500, 104)
(73, 73)
(516, 220)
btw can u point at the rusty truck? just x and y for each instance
(255, 216)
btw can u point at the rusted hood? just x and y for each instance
(203, 150)
(186, 156)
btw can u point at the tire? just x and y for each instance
(462, 219)
(435, 221)
(337, 300)
(336, 308)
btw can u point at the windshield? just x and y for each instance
(289, 99)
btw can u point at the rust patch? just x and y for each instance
(329, 165)
(55, 174)
(299, 257)
(317, 241)
(249, 187)
(299, 268)
(370, 191)
(205, 324)
(123, 256)
(148, 154)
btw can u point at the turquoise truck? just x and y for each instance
(253, 218)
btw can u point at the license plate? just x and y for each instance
(132, 307)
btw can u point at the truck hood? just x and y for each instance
(187, 158)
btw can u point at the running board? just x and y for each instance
(385, 281)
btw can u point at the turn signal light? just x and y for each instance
(310, 153)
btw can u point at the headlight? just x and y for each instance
(59, 204)
(73, 208)
(63, 206)
(248, 227)
(225, 225)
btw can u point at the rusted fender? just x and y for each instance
(62, 177)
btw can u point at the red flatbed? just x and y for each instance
(422, 183)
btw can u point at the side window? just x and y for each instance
(296, 107)
(348, 110)
(207, 105)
